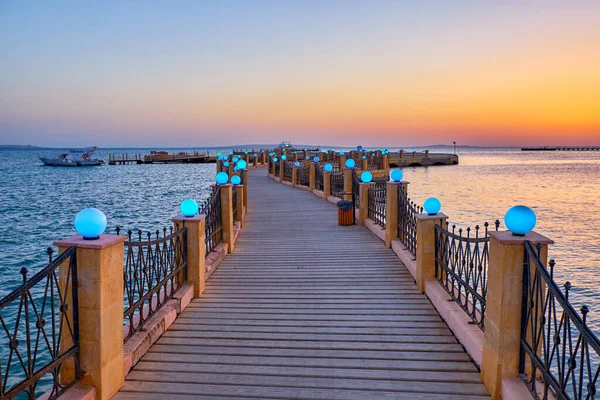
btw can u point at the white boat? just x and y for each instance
(74, 158)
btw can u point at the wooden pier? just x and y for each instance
(306, 309)
(161, 157)
(562, 148)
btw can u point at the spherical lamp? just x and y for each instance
(275, 159)
(255, 155)
(342, 153)
(236, 180)
(226, 164)
(235, 159)
(366, 177)
(364, 157)
(316, 159)
(242, 164)
(432, 206)
(222, 178)
(396, 175)
(219, 154)
(188, 208)
(520, 220)
(231, 152)
(220, 158)
(372, 154)
(245, 152)
(350, 163)
(283, 157)
(297, 164)
(328, 168)
(90, 223)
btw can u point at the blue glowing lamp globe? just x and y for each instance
(328, 168)
(90, 223)
(520, 220)
(366, 177)
(225, 158)
(255, 155)
(188, 207)
(222, 178)
(372, 154)
(341, 153)
(226, 164)
(236, 180)
(219, 154)
(231, 152)
(242, 164)
(275, 159)
(245, 152)
(297, 164)
(364, 157)
(350, 163)
(284, 157)
(220, 158)
(396, 175)
(235, 159)
(316, 159)
(432, 206)
(235, 168)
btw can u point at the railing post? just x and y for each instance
(230, 169)
(281, 170)
(218, 165)
(504, 303)
(363, 210)
(245, 183)
(386, 161)
(365, 165)
(255, 161)
(347, 182)
(272, 168)
(401, 152)
(391, 212)
(240, 192)
(101, 306)
(342, 161)
(195, 248)
(227, 215)
(295, 176)
(326, 184)
(426, 247)
(311, 176)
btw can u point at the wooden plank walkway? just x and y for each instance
(306, 309)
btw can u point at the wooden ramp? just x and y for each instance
(306, 309)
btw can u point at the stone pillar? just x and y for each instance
(501, 344)
(363, 212)
(426, 247)
(227, 215)
(348, 183)
(281, 170)
(414, 155)
(218, 165)
(264, 157)
(295, 176)
(311, 180)
(386, 161)
(255, 161)
(295, 156)
(245, 183)
(272, 168)
(391, 212)
(196, 250)
(342, 161)
(230, 169)
(401, 154)
(240, 192)
(326, 184)
(100, 296)
(426, 153)
(365, 164)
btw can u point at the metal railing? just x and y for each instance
(356, 187)
(376, 206)
(337, 183)
(287, 171)
(277, 168)
(213, 225)
(407, 221)
(559, 352)
(154, 270)
(40, 326)
(461, 264)
(319, 177)
(234, 202)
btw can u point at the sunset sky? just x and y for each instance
(389, 73)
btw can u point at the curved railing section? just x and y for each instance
(154, 270)
(407, 221)
(377, 199)
(319, 177)
(288, 167)
(304, 175)
(560, 355)
(461, 265)
(337, 183)
(40, 331)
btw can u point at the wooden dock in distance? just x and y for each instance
(161, 157)
(317, 311)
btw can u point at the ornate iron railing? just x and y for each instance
(40, 326)
(356, 187)
(407, 221)
(287, 171)
(376, 206)
(559, 352)
(461, 264)
(319, 177)
(213, 224)
(277, 168)
(304, 175)
(234, 202)
(337, 183)
(154, 270)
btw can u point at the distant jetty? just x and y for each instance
(161, 157)
(562, 148)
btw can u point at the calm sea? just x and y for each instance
(38, 203)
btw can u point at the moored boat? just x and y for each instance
(74, 158)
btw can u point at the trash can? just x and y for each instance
(345, 211)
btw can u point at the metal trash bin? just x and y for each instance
(345, 213)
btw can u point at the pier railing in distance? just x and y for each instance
(461, 265)
(377, 200)
(155, 268)
(40, 331)
(560, 355)
(407, 221)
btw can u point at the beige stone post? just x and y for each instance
(401, 154)
(342, 161)
(218, 165)
(295, 176)
(295, 156)
(348, 183)
(227, 215)
(230, 169)
(501, 344)
(391, 212)
(272, 168)
(281, 170)
(247, 158)
(311, 179)
(196, 250)
(414, 155)
(426, 153)
(240, 193)
(255, 161)
(100, 295)
(426, 247)
(245, 183)
(326, 184)
(386, 161)
(365, 165)
(363, 212)
(264, 157)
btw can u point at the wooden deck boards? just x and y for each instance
(305, 309)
